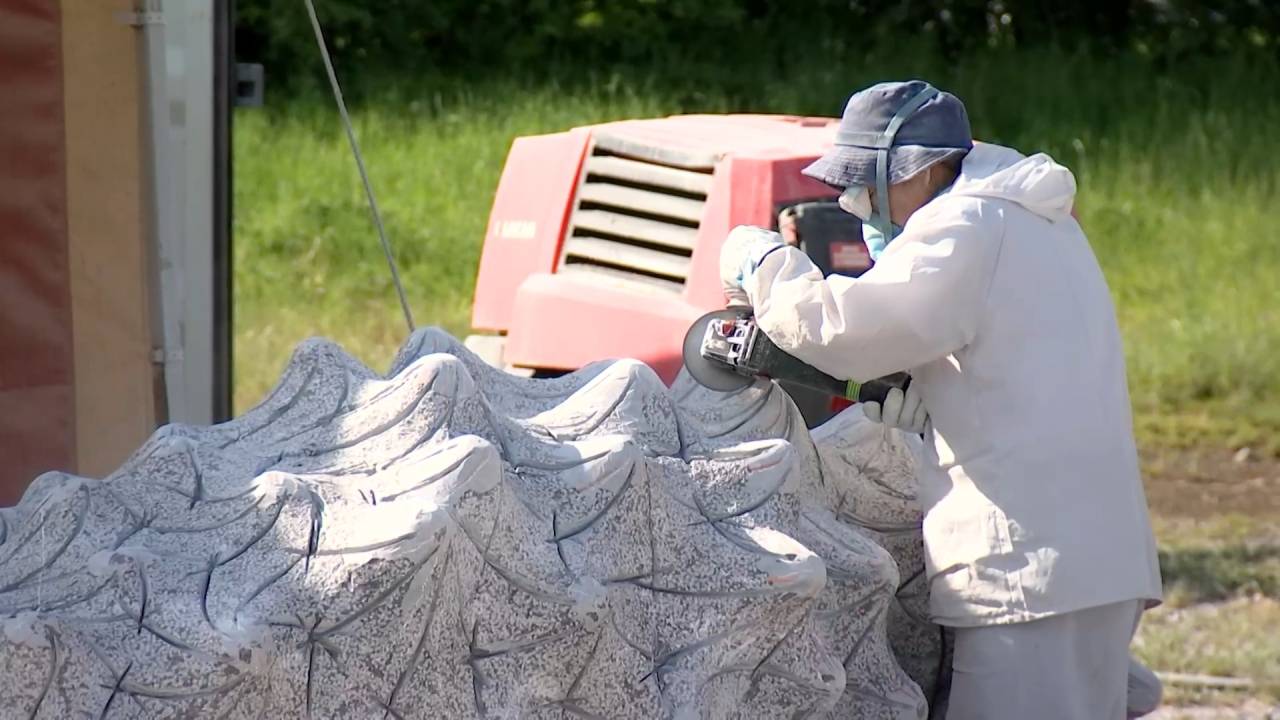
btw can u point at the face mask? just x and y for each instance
(872, 236)
(856, 200)
(875, 240)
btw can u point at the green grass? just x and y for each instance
(1218, 558)
(1222, 604)
(308, 261)
(1231, 639)
(1177, 175)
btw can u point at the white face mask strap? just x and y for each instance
(883, 222)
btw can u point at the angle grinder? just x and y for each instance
(725, 350)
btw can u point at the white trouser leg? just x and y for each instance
(1068, 667)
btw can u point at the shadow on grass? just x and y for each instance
(1199, 574)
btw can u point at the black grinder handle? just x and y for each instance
(770, 360)
(877, 390)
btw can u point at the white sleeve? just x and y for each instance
(922, 301)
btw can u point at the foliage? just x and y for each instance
(412, 38)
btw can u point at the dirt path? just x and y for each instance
(1207, 482)
(1248, 710)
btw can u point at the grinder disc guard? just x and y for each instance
(709, 373)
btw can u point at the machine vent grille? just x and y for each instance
(636, 215)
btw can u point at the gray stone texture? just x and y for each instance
(449, 541)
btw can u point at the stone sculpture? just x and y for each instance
(449, 541)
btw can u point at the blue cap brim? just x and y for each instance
(845, 165)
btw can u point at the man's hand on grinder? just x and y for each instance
(904, 411)
(743, 250)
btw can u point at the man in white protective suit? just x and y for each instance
(1038, 545)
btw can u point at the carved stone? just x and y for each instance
(451, 541)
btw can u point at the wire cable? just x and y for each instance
(364, 174)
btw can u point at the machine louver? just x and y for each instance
(636, 214)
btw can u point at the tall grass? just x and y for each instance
(1177, 173)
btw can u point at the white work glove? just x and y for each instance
(904, 411)
(740, 255)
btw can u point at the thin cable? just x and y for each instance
(355, 150)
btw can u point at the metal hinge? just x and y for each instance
(160, 356)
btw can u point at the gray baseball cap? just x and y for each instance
(936, 131)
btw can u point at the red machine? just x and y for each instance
(604, 241)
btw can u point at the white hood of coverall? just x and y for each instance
(1037, 183)
(993, 299)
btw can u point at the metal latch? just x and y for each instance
(140, 18)
(250, 82)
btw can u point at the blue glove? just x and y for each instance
(740, 255)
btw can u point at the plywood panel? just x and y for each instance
(36, 400)
(107, 222)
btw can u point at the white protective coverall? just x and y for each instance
(992, 298)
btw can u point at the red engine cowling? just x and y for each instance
(603, 241)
